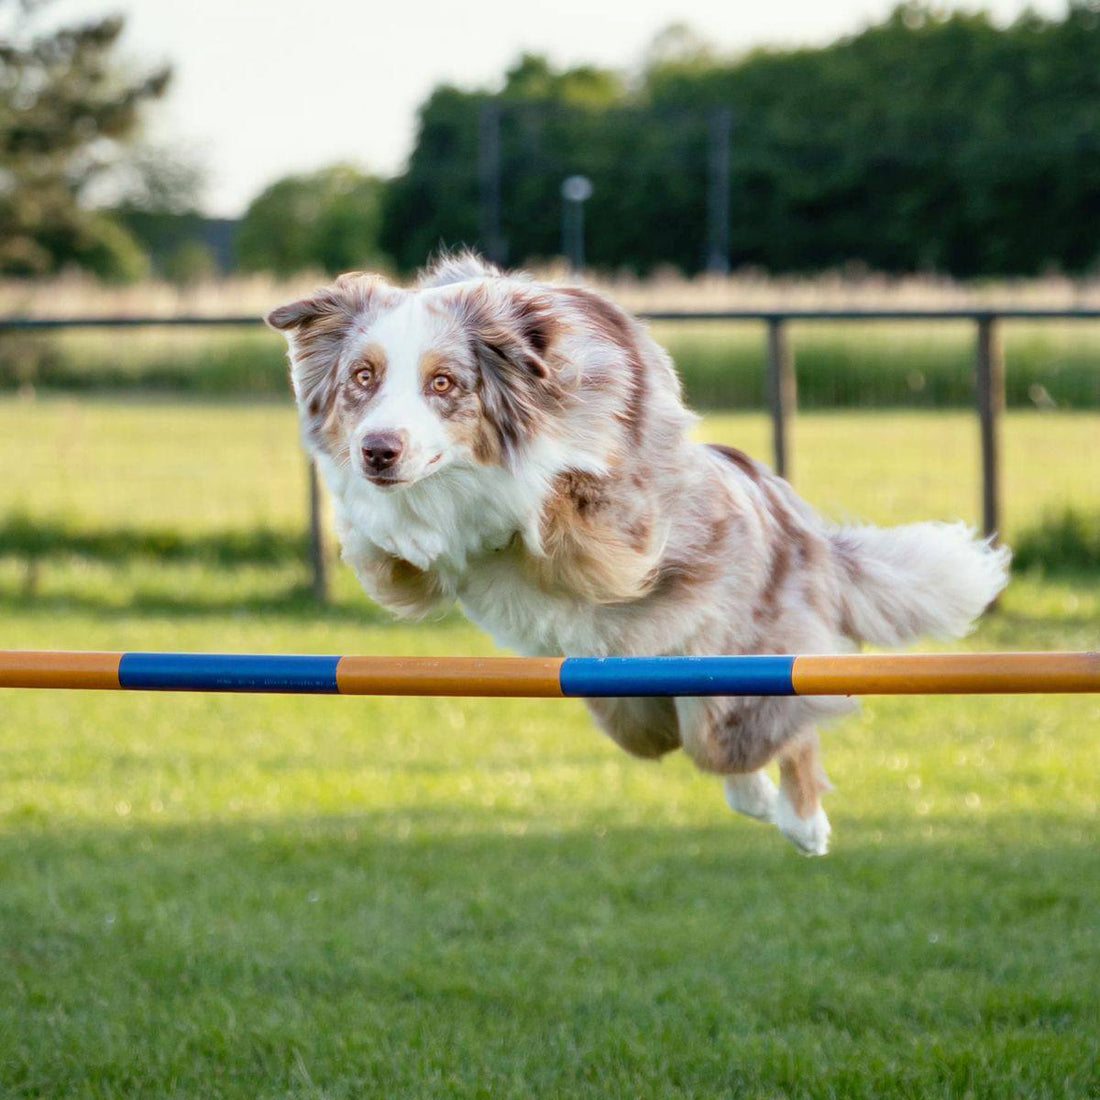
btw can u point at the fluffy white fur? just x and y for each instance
(920, 578)
(545, 480)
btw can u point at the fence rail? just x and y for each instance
(989, 377)
(989, 372)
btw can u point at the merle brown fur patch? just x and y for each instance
(792, 541)
(510, 341)
(615, 326)
(401, 586)
(647, 728)
(728, 741)
(703, 564)
(748, 466)
(585, 491)
(779, 566)
(318, 325)
(801, 776)
(592, 540)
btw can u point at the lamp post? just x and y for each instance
(575, 191)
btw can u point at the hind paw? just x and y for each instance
(810, 835)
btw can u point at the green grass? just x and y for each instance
(157, 464)
(153, 463)
(1069, 539)
(209, 896)
(839, 365)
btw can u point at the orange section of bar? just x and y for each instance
(946, 673)
(487, 676)
(58, 669)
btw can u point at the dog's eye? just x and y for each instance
(364, 376)
(441, 383)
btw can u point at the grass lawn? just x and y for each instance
(208, 466)
(267, 897)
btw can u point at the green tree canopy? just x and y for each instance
(328, 219)
(930, 141)
(553, 123)
(67, 107)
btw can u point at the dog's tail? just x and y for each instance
(923, 578)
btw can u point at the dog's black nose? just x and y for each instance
(381, 450)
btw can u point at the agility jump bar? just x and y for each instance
(550, 677)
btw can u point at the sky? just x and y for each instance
(264, 88)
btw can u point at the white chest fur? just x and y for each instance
(438, 523)
(459, 524)
(497, 593)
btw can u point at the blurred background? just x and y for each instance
(870, 237)
(822, 158)
(194, 163)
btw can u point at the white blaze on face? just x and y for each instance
(404, 334)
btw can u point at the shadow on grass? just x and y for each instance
(1013, 626)
(428, 953)
(296, 602)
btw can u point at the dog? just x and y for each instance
(523, 449)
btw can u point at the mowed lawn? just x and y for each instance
(208, 896)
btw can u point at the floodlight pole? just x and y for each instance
(718, 191)
(488, 170)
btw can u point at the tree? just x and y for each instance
(154, 194)
(328, 219)
(67, 107)
(929, 141)
(553, 123)
(932, 140)
(156, 179)
(189, 263)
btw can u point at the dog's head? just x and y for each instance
(399, 384)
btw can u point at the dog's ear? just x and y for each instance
(348, 296)
(512, 329)
(316, 328)
(293, 315)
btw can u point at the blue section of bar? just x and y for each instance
(734, 675)
(227, 672)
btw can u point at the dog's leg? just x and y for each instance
(644, 727)
(802, 781)
(753, 795)
(737, 738)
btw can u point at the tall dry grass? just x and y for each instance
(846, 290)
(78, 295)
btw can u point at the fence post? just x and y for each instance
(317, 557)
(990, 392)
(782, 392)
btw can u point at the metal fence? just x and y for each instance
(989, 372)
(780, 367)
